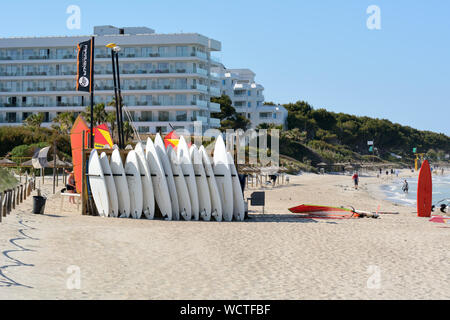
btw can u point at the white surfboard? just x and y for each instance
(98, 184)
(120, 180)
(147, 185)
(238, 198)
(204, 198)
(110, 185)
(134, 184)
(223, 178)
(184, 159)
(216, 204)
(162, 154)
(160, 188)
(184, 201)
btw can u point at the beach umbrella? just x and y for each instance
(28, 163)
(7, 163)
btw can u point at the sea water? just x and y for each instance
(394, 192)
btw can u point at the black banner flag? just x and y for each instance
(85, 66)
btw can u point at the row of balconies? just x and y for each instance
(122, 54)
(200, 71)
(213, 107)
(198, 87)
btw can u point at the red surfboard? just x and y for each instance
(424, 191)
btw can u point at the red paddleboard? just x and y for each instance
(424, 191)
(317, 210)
(440, 219)
(323, 212)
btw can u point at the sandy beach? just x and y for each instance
(270, 256)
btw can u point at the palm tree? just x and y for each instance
(100, 114)
(34, 120)
(127, 130)
(65, 121)
(111, 119)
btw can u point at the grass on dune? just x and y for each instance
(7, 180)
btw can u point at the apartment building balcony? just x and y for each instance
(202, 88)
(214, 91)
(214, 107)
(201, 103)
(200, 118)
(214, 122)
(102, 56)
(201, 71)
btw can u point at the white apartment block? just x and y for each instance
(165, 78)
(247, 96)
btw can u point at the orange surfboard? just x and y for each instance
(424, 191)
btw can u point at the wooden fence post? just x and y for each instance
(18, 195)
(1, 206)
(9, 201)
(13, 199)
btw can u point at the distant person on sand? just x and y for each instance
(405, 187)
(70, 186)
(356, 180)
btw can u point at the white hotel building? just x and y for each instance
(165, 78)
(247, 96)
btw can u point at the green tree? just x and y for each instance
(63, 122)
(100, 114)
(229, 118)
(35, 120)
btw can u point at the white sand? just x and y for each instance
(275, 256)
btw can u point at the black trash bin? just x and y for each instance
(38, 204)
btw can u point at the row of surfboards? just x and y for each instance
(183, 183)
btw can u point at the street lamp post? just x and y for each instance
(120, 95)
(117, 95)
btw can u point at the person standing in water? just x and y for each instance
(356, 180)
(405, 187)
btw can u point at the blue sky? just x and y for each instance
(318, 51)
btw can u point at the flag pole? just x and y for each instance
(92, 92)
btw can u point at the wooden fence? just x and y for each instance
(13, 197)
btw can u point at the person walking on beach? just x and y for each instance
(405, 187)
(356, 180)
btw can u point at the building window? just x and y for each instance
(146, 52)
(181, 116)
(146, 116)
(249, 93)
(182, 51)
(180, 100)
(249, 104)
(144, 129)
(163, 116)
